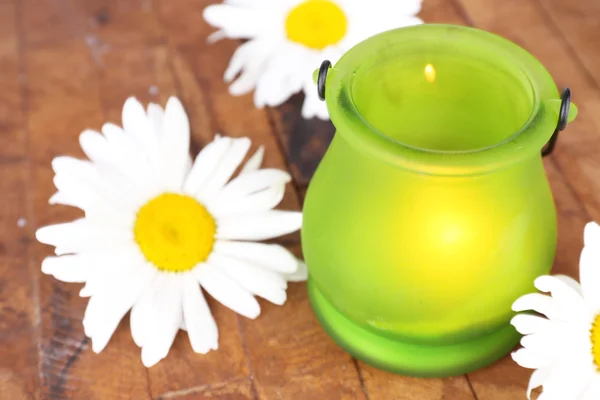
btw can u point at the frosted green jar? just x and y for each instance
(431, 213)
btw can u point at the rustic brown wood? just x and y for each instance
(526, 23)
(19, 306)
(383, 385)
(95, 21)
(235, 390)
(68, 65)
(579, 23)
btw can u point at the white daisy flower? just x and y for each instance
(290, 38)
(158, 227)
(564, 347)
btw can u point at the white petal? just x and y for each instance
(206, 162)
(300, 275)
(106, 309)
(254, 162)
(140, 320)
(589, 270)
(67, 268)
(246, 82)
(81, 235)
(199, 322)
(537, 302)
(568, 380)
(81, 185)
(166, 319)
(258, 281)
(313, 106)
(126, 158)
(538, 378)
(572, 283)
(252, 62)
(272, 256)
(283, 75)
(225, 170)
(226, 291)
(156, 116)
(528, 359)
(551, 342)
(261, 226)
(591, 234)
(71, 268)
(175, 145)
(242, 55)
(60, 198)
(241, 22)
(137, 124)
(526, 324)
(252, 182)
(94, 145)
(264, 200)
(593, 390)
(564, 295)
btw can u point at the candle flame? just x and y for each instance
(429, 73)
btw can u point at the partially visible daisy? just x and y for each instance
(159, 227)
(564, 347)
(290, 38)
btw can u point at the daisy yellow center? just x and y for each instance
(595, 336)
(316, 24)
(174, 232)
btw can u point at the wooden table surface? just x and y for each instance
(67, 65)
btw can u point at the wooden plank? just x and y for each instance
(133, 70)
(384, 386)
(304, 140)
(290, 356)
(235, 390)
(12, 135)
(19, 378)
(98, 22)
(63, 93)
(579, 23)
(19, 308)
(526, 23)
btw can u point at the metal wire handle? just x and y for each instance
(563, 118)
(325, 65)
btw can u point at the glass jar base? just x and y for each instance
(408, 358)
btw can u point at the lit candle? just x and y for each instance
(430, 73)
(431, 212)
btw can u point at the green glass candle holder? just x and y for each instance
(430, 212)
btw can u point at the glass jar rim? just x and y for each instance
(525, 142)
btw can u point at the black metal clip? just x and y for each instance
(563, 118)
(325, 65)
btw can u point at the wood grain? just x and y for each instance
(19, 306)
(68, 65)
(235, 390)
(579, 24)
